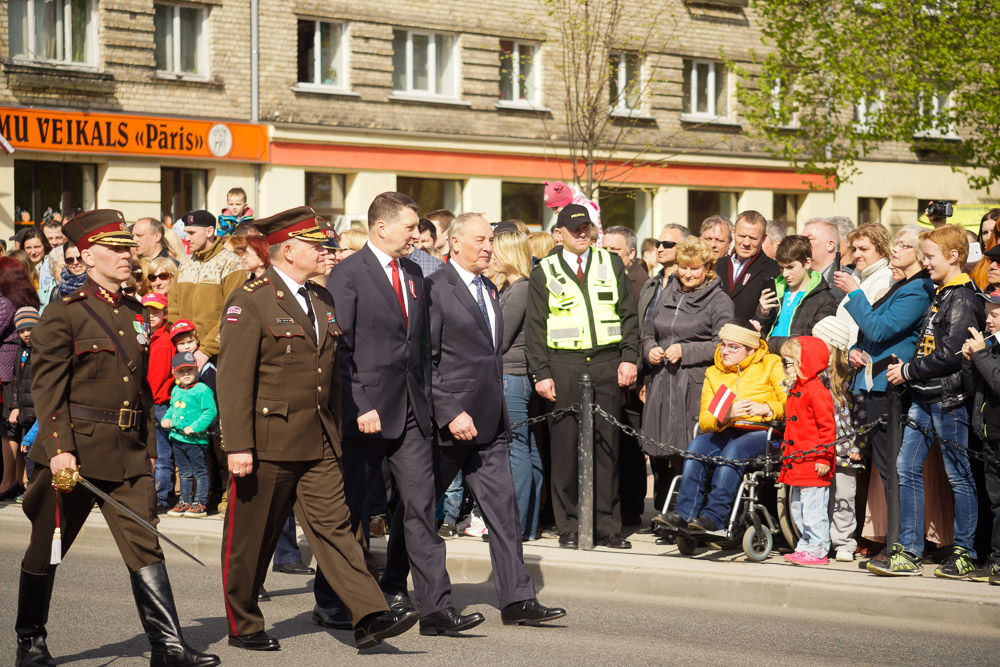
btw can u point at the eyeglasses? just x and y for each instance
(787, 364)
(161, 276)
(74, 260)
(129, 289)
(903, 246)
(732, 347)
(666, 245)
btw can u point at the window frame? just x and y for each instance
(204, 60)
(938, 113)
(66, 43)
(712, 115)
(533, 101)
(864, 111)
(619, 108)
(432, 56)
(344, 54)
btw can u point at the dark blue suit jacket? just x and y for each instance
(467, 361)
(384, 365)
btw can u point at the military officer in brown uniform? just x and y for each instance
(95, 411)
(280, 413)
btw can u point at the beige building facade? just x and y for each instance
(154, 108)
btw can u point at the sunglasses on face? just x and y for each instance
(666, 245)
(161, 276)
(129, 289)
(73, 260)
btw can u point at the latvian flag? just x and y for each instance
(721, 402)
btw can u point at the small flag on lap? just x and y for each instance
(721, 402)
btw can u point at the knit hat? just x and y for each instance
(181, 326)
(25, 318)
(557, 194)
(183, 360)
(741, 335)
(154, 300)
(834, 332)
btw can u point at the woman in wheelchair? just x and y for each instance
(744, 367)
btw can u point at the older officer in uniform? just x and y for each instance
(95, 411)
(469, 407)
(280, 415)
(582, 318)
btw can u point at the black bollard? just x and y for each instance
(894, 441)
(585, 464)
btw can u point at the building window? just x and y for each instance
(706, 90)
(867, 109)
(431, 193)
(622, 207)
(939, 111)
(321, 53)
(524, 202)
(870, 210)
(325, 193)
(625, 83)
(424, 63)
(61, 31)
(706, 203)
(182, 191)
(786, 210)
(181, 35)
(518, 73)
(44, 188)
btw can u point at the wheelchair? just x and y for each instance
(751, 523)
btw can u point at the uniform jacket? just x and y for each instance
(809, 419)
(935, 373)
(383, 364)
(194, 407)
(74, 361)
(745, 292)
(204, 282)
(467, 359)
(816, 304)
(758, 378)
(282, 388)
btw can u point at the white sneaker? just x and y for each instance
(845, 556)
(476, 526)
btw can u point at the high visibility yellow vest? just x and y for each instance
(578, 319)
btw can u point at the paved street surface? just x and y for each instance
(93, 622)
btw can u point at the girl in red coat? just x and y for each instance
(809, 422)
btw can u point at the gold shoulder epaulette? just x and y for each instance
(256, 285)
(74, 296)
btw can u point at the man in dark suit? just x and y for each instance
(744, 272)
(466, 329)
(386, 383)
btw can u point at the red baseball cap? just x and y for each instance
(154, 300)
(557, 193)
(181, 326)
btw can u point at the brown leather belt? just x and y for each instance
(123, 419)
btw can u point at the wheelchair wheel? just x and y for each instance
(784, 506)
(757, 545)
(685, 545)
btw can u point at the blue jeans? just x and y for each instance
(287, 549)
(451, 503)
(192, 468)
(811, 514)
(949, 424)
(732, 444)
(525, 461)
(163, 474)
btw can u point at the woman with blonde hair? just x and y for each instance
(161, 273)
(542, 244)
(351, 241)
(510, 267)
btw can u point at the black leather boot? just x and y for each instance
(155, 602)
(32, 615)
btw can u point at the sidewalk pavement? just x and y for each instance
(646, 569)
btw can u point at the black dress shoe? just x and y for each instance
(449, 622)
(263, 595)
(615, 541)
(373, 628)
(670, 519)
(529, 611)
(568, 541)
(296, 567)
(702, 525)
(258, 641)
(399, 602)
(335, 619)
(664, 540)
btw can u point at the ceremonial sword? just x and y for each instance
(67, 479)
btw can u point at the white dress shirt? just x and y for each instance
(294, 288)
(384, 260)
(468, 277)
(570, 259)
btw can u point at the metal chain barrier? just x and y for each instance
(575, 409)
(951, 444)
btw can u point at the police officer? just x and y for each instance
(95, 410)
(280, 416)
(582, 318)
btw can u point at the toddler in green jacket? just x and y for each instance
(192, 410)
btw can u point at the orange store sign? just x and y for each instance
(80, 132)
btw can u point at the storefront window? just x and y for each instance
(524, 202)
(325, 193)
(431, 193)
(44, 188)
(621, 206)
(786, 210)
(182, 191)
(706, 203)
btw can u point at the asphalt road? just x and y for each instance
(93, 622)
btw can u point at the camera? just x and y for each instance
(939, 209)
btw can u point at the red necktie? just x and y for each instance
(397, 287)
(579, 268)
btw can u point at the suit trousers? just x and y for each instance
(258, 509)
(566, 370)
(413, 538)
(486, 471)
(139, 547)
(631, 467)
